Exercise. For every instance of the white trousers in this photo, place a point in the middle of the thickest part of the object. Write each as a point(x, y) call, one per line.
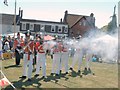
point(29, 64)
point(56, 63)
point(77, 57)
point(88, 60)
point(41, 61)
point(64, 61)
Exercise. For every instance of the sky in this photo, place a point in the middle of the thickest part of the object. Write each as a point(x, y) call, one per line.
point(53, 10)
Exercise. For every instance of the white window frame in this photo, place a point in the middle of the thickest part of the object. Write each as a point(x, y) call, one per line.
point(84, 23)
point(42, 28)
point(31, 27)
point(23, 26)
point(66, 30)
point(52, 27)
point(80, 23)
point(59, 27)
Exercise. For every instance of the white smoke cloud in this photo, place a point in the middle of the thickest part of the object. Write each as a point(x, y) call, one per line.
point(99, 43)
point(95, 42)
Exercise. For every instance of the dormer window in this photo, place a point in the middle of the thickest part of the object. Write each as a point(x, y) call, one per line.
point(84, 23)
point(80, 23)
point(52, 29)
point(60, 29)
point(66, 30)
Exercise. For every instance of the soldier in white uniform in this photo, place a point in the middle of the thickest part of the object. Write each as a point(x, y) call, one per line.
point(64, 58)
point(28, 57)
point(56, 59)
point(41, 60)
point(77, 57)
point(88, 60)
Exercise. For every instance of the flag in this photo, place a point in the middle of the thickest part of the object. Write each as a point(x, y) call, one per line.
point(4, 82)
point(5, 2)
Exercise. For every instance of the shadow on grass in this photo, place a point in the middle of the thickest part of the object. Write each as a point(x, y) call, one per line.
point(22, 85)
point(74, 73)
point(12, 66)
point(52, 78)
point(87, 72)
point(55, 78)
point(63, 75)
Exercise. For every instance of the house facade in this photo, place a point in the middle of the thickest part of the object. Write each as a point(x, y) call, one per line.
point(79, 25)
point(44, 27)
point(7, 24)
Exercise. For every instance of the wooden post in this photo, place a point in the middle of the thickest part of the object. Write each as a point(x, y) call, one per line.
point(15, 20)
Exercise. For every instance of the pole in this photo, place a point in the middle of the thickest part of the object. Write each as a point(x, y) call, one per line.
point(15, 20)
point(7, 79)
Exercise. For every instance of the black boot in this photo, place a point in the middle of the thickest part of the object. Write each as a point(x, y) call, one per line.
point(66, 73)
point(89, 70)
point(36, 75)
point(29, 80)
point(60, 71)
point(23, 77)
point(52, 74)
point(79, 71)
point(85, 71)
point(71, 68)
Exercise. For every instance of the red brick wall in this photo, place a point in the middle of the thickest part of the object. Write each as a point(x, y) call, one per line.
point(78, 29)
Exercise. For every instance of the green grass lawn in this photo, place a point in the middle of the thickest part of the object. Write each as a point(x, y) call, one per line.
point(106, 76)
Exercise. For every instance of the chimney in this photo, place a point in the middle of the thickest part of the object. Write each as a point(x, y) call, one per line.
point(65, 17)
point(61, 20)
point(66, 12)
point(92, 21)
point(21, 14)
point(91, 15)
point(19, 11)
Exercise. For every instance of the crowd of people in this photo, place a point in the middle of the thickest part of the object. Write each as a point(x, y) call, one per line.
point(35, 52)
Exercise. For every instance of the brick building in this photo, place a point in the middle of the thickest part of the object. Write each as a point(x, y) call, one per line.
point(79, 24)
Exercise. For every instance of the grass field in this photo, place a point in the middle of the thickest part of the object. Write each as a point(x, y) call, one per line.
point(106, 76)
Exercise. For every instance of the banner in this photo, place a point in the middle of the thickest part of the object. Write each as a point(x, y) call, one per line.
point(4, 82)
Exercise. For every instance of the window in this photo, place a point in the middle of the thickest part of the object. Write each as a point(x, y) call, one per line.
point(66, 30)
point(52, 29)
point(23, 26)
point(31, 26)
point(59, 29)
point(80, 23)
point(84, 23)
point(42, 28)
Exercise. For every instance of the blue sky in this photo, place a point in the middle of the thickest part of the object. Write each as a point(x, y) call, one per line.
point(53, 10)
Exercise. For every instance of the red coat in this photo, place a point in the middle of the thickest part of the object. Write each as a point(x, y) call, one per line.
point(22, 42)
point(16, 43)
point(41, 49)
point(29, 47)
point(64, 49)
point(37, 45)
